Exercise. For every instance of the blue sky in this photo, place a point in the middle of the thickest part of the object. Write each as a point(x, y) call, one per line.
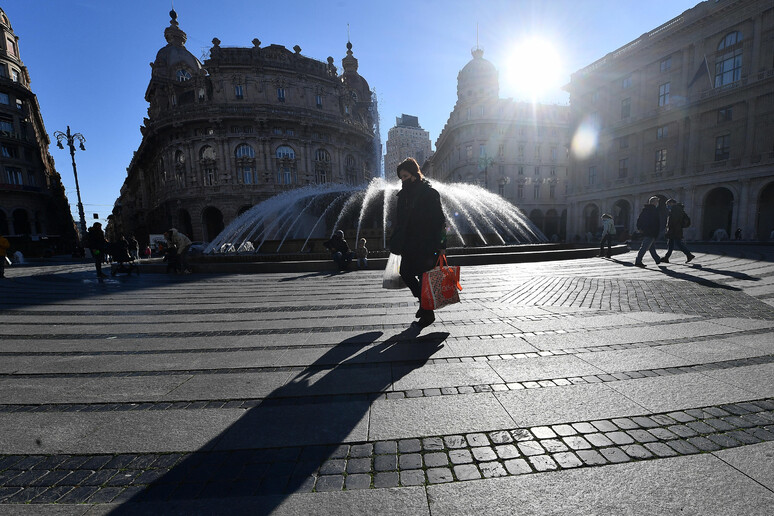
point(89, 59)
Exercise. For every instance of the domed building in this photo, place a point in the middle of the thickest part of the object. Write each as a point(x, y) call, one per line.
point(515, 149)
point(245, 125)
point(34, 213)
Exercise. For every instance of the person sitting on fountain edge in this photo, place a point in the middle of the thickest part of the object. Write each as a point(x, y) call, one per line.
point(420, 231)
point(339, 249)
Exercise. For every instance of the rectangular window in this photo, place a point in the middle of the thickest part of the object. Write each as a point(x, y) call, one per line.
point(728, 68)
point(9, 151)
point(537, 171)
point(14, 175)
point(500, 150)
point(521, 170)
point(247, 175)
point(623, 168)
point(725, 114)
point(209, 176)
point(281, 94)
point(623, 142)
point(661, 160)
point(666, 64)
point(10, 46)
point(536, 192)
point(552, 191)
point(553, 171)
point(14, 75)
point(235, 129)
point(592, 175)
point(663, 94)
point(537, 151)
point(248, 129)
point(500, 189)
point(318, 101)
point(277, 131)
point(520, 192)
point(6, 124)
point(4, 99)
point(554, 154)
point(469, 151)
point(626, 108)
point(31, 179)
point(662, 132)
point(238, 92)
point(482, 151)
point(521, 151)
point(722, 147)
point(626, 83)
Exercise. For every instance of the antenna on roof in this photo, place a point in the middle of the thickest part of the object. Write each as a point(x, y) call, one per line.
point(348, 32)
point(476, 34)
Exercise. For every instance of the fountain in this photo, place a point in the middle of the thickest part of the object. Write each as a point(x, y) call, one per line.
point(475, 217)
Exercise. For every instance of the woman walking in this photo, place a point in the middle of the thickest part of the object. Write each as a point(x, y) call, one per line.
point(608, 231)
point(420, 232)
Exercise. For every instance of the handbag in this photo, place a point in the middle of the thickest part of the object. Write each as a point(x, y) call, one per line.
point(391, 279)
point(441, 285)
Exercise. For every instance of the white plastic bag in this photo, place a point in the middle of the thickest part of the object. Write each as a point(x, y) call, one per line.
point(391, 278)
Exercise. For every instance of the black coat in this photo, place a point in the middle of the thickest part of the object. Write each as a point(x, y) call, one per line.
point(675, 222)
point(96, 238)
point(337, 244)
point(649, 222)
point(420, 227)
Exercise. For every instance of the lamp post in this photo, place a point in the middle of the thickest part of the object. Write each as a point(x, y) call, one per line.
point(70, 139)
point(483, 165)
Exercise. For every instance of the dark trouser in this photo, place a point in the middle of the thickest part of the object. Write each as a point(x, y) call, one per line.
point(98, 257)
point(411, 270)
point(2, 266)
point(342, 259)
point(672, 242)
point(605, 239)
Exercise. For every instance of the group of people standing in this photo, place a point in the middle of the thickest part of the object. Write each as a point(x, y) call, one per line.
point(649, 225)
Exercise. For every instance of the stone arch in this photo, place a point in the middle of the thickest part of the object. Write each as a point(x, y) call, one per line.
point(765, 219)
point(551, 224)
point(4, 229)
point(21, 222)
point(536, 216)
point(212, 222)
point(591, 218)
point(622, 217)
point(718, 210)
point(184, 223)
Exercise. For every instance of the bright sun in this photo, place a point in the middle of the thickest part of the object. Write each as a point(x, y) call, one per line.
point(533, 70)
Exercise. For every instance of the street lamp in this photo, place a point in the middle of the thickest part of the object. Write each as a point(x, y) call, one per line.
point(483, 165)
point(70, 139)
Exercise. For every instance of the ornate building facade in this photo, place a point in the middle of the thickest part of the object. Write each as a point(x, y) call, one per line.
point(245, 125)
point(33, 206)
point(685, 111)
point(406, 139)
point(515, 149)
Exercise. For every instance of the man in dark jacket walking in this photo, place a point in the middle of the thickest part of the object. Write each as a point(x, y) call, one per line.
point(97, 246)
point(676, 221)
point(649, 224)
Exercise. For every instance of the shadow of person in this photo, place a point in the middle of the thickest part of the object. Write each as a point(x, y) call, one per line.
point(694, 279)
point(722, 272)
point(280, 446)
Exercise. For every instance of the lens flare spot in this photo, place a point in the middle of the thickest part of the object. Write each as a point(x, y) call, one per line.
point(585, 140)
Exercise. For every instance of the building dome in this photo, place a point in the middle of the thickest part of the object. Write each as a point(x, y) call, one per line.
point(175, 56)
point(478, 79)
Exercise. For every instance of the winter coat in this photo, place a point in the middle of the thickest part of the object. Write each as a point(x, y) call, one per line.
point(4, 245)
point(649, 222)
point(179, 240)
point(420, 230)
point(337, 244)
point(608, 227)
point(675, 222)
point(96, 238)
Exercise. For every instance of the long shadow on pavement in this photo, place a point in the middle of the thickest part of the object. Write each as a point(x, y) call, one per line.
point(694, 279)
point(279, 446)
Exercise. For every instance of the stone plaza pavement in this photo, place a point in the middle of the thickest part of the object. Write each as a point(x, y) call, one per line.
point(567, 387)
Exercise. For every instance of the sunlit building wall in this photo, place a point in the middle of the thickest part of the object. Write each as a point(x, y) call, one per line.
point(33, 206)
point(245, 125)
point(406, 139)
point(515, 149)
point(685, 111)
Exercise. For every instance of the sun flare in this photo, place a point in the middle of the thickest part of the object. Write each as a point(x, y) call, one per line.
point(534, 69)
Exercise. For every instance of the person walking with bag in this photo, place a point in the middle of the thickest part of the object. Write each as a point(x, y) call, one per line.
point(676, 221)
point(649, 223)
point(420, 232)
point(608, 231)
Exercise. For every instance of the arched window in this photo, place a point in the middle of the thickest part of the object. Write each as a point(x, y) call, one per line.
point(728, 66)
point(321, 166)
point(207, 152)
point(183, 75)
point(285, 152)
point(244, 151)
point(731, 39)
point(179, 158)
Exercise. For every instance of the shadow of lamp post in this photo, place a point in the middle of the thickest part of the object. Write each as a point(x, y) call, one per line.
point(70, 139)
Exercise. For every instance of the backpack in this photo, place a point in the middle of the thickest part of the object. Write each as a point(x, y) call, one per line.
point(686, 220)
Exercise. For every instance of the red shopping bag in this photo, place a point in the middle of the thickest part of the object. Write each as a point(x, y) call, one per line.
point(441, 285)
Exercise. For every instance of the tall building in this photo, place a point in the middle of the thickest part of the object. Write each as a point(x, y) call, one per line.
point(33, 207)
point(243, 126)
point(406, 139)
point(685, 111)
point(516, 149)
